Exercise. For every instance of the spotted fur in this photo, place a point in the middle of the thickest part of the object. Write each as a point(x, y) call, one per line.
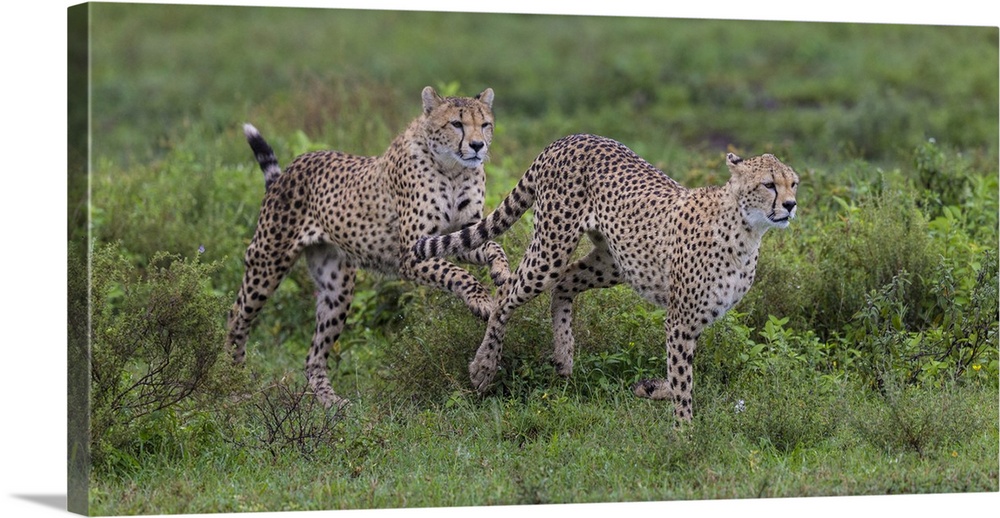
point(345, 212)
point(691, 251)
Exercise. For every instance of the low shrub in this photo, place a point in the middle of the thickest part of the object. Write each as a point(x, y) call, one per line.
point(785, 408)
point(281, 416)
point(922, 420)
point(619, 340)
point(425, 359)
point(155, 351)
point(819, 273)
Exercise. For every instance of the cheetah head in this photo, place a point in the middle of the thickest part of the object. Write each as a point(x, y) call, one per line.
point(458, 129)
point(765, 188)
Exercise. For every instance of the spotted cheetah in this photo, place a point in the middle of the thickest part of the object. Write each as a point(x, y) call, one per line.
point(691, 251)
point(345, 212)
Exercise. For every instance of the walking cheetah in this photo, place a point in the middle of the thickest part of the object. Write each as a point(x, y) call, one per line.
point(692, 251)
point(346, 212)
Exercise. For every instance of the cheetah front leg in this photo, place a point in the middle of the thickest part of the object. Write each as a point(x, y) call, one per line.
point(334, 278)
point(679, 381)
point(439, 273)
point(490, 254)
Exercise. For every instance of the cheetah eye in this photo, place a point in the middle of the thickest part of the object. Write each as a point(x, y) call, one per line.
point(795, 184)
point(769, 186)
point(486, 125)
point(456, 124)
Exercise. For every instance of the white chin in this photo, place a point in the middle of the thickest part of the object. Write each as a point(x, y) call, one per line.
point(470, 162)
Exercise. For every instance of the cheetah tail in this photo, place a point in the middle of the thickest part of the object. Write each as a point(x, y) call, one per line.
point(499, 221)
point(264, 154)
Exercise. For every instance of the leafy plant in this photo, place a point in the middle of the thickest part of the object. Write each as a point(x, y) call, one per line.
point(908, 418)
point(863, 360)
point(156, 345)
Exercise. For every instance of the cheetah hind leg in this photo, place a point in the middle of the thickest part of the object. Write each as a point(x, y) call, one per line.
point(334, 279)
point(260, 280)
point(483, 367)
point(596, 270)
point(527, 283)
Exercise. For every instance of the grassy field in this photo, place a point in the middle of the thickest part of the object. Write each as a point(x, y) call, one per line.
point(863, 361)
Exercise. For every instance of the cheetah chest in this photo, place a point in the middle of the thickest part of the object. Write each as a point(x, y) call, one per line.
point(730, 275)
point(454, 201)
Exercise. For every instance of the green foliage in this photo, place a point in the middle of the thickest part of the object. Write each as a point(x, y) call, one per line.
point(870, 90)
point(820, 273)
point(954, 187)
point(428, 359)
point(863, 360)
point(879, 344)
point(156, 351)
point(178, 205)
point(910, 419)
point(796, 413)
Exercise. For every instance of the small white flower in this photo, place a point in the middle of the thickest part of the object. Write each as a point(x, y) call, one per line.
point(740, 406)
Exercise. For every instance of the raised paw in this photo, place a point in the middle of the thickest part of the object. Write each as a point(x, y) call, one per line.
point(652, 388)
point(482, 306)
point(499, 266)
point(500, 275)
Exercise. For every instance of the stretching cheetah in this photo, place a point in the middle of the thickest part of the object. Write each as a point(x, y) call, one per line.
point(346, 212)
point(692, 251)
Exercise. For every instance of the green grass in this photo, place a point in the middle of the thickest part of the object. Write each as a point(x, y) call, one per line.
point(865, 355)
point(552, 449)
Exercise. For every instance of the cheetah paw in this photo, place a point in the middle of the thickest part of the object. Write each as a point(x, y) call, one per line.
point(652, 389)
point(482, 308)
point(564, 367)
point(481, 373)
point(333, 402)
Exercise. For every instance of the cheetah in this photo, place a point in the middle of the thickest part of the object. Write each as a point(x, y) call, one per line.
point(691, 251)
point(345, 212)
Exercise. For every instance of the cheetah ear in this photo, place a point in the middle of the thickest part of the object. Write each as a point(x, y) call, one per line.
point(486, 97)
point(733, 160)
point(431, 99)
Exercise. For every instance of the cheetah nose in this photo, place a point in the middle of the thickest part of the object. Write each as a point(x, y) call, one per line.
point(476, 145)
point(788, 205)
